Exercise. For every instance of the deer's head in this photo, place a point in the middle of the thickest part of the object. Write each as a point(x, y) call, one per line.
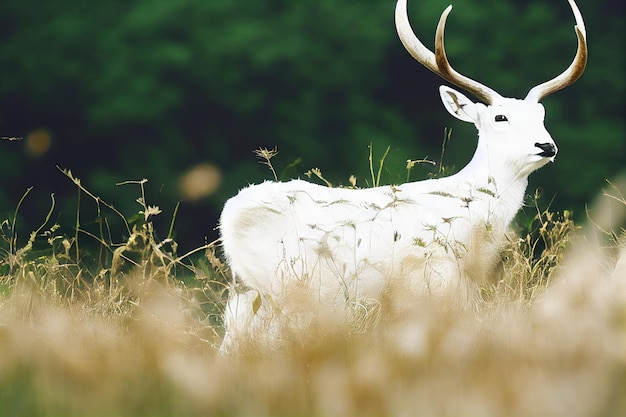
point(511, 131)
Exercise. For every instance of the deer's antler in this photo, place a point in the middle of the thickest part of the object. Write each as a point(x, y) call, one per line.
point(438, 62)
point(576, 68)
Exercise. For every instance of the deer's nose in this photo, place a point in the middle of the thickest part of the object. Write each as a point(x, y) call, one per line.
point(547, 149)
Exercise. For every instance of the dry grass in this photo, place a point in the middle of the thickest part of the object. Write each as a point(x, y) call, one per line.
point(548, 340)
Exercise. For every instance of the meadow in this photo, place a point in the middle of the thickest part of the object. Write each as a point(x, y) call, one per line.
point(137, 331)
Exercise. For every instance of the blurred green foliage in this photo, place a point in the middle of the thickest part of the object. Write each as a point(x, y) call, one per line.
point(123, 90)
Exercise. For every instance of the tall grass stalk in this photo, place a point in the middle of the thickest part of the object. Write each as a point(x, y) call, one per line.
point(139, 335)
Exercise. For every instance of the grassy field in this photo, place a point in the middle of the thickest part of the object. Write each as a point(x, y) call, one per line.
point(137, 334)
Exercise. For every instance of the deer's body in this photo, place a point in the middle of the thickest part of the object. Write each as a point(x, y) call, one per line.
point(344, 244)
point(294, 245)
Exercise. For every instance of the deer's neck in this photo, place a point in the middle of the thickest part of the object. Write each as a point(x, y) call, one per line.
point(504, 185)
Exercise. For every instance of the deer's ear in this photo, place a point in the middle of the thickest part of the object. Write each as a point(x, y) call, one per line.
point(458, 105)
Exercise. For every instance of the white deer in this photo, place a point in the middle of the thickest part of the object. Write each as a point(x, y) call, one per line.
point(295, 247)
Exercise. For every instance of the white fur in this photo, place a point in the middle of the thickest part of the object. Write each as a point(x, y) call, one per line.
point(300, 248)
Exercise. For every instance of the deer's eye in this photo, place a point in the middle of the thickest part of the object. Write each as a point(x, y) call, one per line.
point(501, 118)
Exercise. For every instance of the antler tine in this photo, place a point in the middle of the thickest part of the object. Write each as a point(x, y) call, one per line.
point(411, 42)
point(576, 68)
point(481, 91)
point(437, 63)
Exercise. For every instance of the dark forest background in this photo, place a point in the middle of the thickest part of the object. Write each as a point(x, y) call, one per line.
point(182, 93)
